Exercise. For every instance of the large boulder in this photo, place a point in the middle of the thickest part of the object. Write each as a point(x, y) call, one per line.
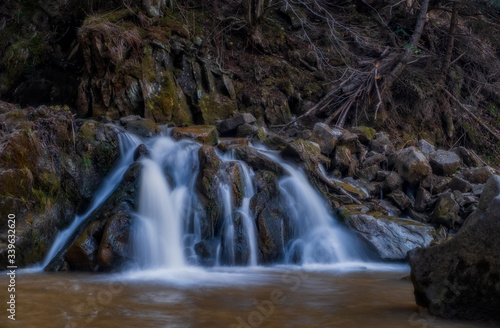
point(389, 236)
point(460, 278)
point(325, 137)
point(444, 162)
point(412, 165)
point(479, 175)
point(205, 134)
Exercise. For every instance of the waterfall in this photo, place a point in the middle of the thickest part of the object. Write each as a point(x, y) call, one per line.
point(127, 143)
point(246, 214)
point(168, 225)
point(315, 236)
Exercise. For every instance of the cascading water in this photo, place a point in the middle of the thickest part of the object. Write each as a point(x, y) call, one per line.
point(127, 144)
point(165, 212)
point(246, 214)
point(314, 236)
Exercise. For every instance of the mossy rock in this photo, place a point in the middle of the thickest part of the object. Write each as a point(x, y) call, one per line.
point(215, 106)
point(205, 134)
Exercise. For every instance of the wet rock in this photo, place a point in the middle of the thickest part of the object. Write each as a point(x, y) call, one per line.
point(205, 134)
point(425, 147)
point(444, 162)
point(231, 124)
point(460, 278)
point(206, 250)
point(459, 184)
point(391, 237)
point(479, 175)
point(446, 212)
point(82, 254)
point(207, 185)
point(381, 144)
point(325, 137)
point(114, 248)
point(435, 184)
point(400, 199)
point(141, 152)
point(142, 127)
point(269, 212)
point(256, 160)
point(412, 165)
point(468, 158)
point(365, 134)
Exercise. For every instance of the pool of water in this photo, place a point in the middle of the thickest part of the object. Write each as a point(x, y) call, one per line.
point(350, 295)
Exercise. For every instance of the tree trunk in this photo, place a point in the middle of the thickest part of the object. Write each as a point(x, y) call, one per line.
point(451, 40)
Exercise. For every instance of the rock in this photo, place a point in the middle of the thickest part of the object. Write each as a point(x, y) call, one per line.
point(305, 151)
point(468, 158)
point(142, 127)
point(478, 189)
point(479, 175)
point(325, 137)
point(207, 186)
point(381, 144)
point(422, 200)
point(256, 160)
point(141, 152)
point(114, 248)
point(435, 184)
point(304, 134)
point(231, 124)
point(459, 184)
point(81, 256)
point(444, 162)
point(391, 237)
point(460, 278)
point(269, 212)
point(124, 120)
point(425, 147)
point(373, 158)
point(365, 134)
point(412, 165)
point(342, 159)
point(387, 208)
point(368, 173)
point(399, 198)
point(392, 182)
point(206, 250)
point(446, 212)
point(205, 134)
point(246, 130)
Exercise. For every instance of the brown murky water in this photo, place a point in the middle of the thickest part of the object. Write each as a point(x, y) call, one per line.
point(242, 297)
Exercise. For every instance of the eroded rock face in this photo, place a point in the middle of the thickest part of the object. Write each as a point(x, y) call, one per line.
point(391, 237)
point(461, 277)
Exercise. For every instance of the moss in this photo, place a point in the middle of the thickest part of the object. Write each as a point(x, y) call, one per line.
point(215, 106)
point(38, 250)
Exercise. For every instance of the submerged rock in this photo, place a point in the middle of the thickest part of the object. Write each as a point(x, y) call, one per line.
point(391, 237)
point(460, 278)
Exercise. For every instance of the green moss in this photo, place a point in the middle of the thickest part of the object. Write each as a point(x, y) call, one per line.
point(215, 106)
point(87, 162)
point(38, 249)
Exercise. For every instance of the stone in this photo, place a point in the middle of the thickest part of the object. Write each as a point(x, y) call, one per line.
point(425, 147)
point(389, 236)
point(342, 159)
point(435, 184)
point(478, 175)
point(205, 134)
point(386, 208)
point(412, 165)
point(256, 160)
point(460, 278)
point(246, 130)
point(325, 137)
point(381, 144)
point(141, 151)
point(231, 124)
point(400, 199)
point(392, 182)
point(459, 184)
point(468, 157)
point(446, 212)
point(142, 127)
point(478, 189)
point(422, 200)
point(305, 151)
point(365, 134)
point(444, 162)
